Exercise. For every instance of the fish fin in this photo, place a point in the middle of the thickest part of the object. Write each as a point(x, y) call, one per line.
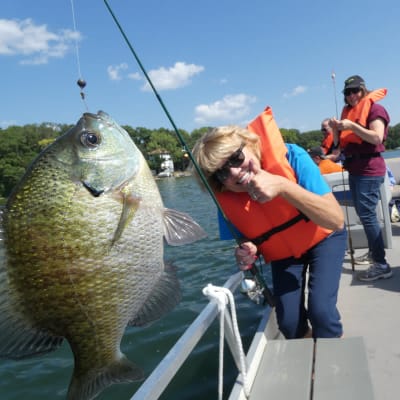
point(164, 296)
point(21, 343)
point(180, 228)
point(89, 385)
point(129, 206)
point(18, 337)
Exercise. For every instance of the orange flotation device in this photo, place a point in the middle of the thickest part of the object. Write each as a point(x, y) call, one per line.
point(277, 228)
point(359, 114)
point(327, 143)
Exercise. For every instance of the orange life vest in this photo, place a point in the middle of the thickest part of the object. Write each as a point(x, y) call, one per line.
point(359, 114)
point(327, 142)
point(279, 229)
point(327, 166)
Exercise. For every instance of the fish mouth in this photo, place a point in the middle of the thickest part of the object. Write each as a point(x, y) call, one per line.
point(100, 118)
point(91, 115)
point(100, 115)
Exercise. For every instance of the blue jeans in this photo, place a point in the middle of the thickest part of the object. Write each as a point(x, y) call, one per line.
point(324, 262)
point(365, 192)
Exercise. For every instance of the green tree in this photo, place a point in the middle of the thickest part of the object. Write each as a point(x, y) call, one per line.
point(196, 135)
point(141, 136)
point(19, 145)
point(290, 135)
point(393, 138)
point(310, 139)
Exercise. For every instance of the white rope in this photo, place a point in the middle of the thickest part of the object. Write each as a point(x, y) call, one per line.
point(223, 296)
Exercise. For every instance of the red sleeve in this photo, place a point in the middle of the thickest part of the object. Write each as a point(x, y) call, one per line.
point(378, 111)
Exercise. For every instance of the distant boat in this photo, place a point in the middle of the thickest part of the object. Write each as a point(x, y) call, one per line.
point(165, 174)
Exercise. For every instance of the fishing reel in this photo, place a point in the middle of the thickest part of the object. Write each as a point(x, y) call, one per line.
point(253, 290)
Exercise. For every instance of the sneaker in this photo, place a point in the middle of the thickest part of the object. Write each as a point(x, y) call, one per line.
point(376, 271)
point(365, 259)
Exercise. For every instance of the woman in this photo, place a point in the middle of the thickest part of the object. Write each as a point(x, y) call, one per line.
point(275, 196)
point(360, 133)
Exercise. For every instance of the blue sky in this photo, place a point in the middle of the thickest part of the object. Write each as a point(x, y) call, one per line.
point(213, 62)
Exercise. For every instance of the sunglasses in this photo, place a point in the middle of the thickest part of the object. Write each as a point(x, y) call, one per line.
point(235, 160)
point(348, 92)
point(324, 130)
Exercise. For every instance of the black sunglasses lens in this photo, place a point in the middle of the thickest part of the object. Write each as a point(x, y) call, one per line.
point(222, 174)
point(235, 160)
point(348, 92)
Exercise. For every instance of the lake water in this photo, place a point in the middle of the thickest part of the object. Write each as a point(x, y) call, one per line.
point(391, 153)
point(207, 261)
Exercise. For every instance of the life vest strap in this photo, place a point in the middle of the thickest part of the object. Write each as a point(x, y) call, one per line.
point(266, 235)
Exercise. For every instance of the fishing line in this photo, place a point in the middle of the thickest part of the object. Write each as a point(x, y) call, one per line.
point(351, 249)
point(267, 294)
point(80, 82)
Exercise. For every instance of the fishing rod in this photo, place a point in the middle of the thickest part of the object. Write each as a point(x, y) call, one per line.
point(268, 296)
point(343, 183)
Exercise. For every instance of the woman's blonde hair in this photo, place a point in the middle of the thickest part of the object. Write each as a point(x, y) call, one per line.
point(217, 145)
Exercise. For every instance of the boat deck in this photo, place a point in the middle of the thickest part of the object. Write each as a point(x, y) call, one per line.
point(369, 309)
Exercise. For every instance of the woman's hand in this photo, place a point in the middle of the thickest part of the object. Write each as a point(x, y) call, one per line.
point(374, 134)
point(245, 255)
point(263, 186)
point(344, 125)
point(323, 210)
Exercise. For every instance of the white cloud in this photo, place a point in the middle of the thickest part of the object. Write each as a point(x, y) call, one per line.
point(135, 76)
point(24, 38)
point(114, 71)
point(174, 77)
point(230, 108)
point(296, 91)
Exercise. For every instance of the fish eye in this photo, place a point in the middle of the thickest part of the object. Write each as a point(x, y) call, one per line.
point(90, 139)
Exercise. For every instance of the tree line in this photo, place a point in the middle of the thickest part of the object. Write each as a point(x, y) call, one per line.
point(19, 145)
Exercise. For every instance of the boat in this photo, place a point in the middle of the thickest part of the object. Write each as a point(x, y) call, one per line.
point(370, 321)
point(165, 174)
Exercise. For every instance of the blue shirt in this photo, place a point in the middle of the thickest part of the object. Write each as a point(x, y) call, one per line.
point(308, 176)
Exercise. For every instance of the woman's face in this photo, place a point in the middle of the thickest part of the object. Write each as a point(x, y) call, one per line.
point(237, 170)
point(353, 96)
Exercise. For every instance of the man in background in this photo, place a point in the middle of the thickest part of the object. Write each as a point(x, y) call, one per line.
point(325, 165)
point(330, 152)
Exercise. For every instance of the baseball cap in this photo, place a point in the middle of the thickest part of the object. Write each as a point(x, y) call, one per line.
point(354, 81)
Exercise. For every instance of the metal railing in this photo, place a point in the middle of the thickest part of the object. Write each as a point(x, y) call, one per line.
point(155, 384)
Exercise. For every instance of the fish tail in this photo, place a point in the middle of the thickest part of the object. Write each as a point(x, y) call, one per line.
point(88, 386)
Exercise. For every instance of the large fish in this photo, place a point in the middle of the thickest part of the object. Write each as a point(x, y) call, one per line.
point(83, 236)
